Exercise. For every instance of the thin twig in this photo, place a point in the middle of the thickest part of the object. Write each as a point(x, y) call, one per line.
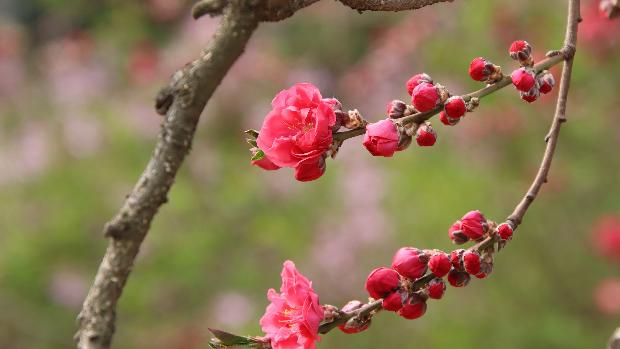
point(566, 55)
point(419, 118)
point(568, 52)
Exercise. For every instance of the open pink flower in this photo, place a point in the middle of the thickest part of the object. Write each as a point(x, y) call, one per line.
point(292, 319)
point(298, 130)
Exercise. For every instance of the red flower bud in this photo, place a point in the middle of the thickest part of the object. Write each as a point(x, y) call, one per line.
point(523, 79)
point(436, 288)
point(546, 82)
point(410, 262)
point(530, 96)
point(393, 302)
point(414, 308)
point(455, 107)
point(456, 258)
point(482, 70)
point(485, 270)
point(520, 50)
point(471, 262)
point(439, 264)
point(425, 97)
point(474, 225)
point(381, 281)
point(355, 325)
point(396, 109)
point(458, 278)
point(456, 234)
point(504, 231)
point(425, 135)
point(417, 79)
point(446, 120)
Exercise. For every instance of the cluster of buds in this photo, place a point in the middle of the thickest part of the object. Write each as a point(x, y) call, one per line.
point(417, 275)
point(529, 84)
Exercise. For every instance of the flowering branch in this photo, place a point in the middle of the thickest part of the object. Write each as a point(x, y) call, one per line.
point(419, 118)
point(181, 101)
point(415, 275)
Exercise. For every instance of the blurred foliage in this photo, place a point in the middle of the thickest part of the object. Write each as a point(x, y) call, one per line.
point(77, 128)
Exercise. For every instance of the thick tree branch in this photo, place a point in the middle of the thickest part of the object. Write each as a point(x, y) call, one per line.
point(389, 5)
point(190, 90)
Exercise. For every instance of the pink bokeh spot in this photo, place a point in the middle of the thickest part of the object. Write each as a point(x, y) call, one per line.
point(606, 237)
point(292, 319)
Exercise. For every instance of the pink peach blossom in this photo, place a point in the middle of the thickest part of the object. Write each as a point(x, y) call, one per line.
point(298, 130)
point(381, 138)
point(292, 319)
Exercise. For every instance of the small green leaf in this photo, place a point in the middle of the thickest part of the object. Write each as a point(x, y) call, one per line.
point(252, 142)
point(229, 338)
point(252, 133)
point(259, 155)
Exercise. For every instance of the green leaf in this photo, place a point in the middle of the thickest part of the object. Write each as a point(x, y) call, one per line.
point(252, 133)
point(229, 338)
point(258, 155)
point(252, 142)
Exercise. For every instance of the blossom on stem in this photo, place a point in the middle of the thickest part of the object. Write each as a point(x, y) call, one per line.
point(292, 319)
point(297, 132)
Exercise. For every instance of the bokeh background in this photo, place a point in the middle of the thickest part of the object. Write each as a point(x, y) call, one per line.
point(77, 126)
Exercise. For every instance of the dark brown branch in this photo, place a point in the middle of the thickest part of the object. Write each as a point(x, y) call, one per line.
point(568, 52)
point(191, 89)
point(389, 5)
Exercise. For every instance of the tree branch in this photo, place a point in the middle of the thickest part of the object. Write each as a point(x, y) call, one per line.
point(568, 52)
point(188, 94)
point(389, 5)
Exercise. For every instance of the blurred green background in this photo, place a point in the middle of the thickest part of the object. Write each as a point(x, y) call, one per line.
point(77, 127)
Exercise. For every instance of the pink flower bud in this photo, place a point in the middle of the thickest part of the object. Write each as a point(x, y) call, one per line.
point(520, 50)
point(474, 225)
point(414, 308)
point(455, 107)
point(381, 281)
point(504, 231)
point(456, 258)
point(523, 79)
point(436, 288)
point(425, 135)
point(446, 120)
point(396, 109)
point(381, 138)
point(439, 264)
point(458, 278)
point(471, 262)
point(410, 262)
point(417, 79)
point(482, 70)
point(530, 96)
point(393, 302)
point(456, 234)
point(546, 82)
point(425, 97)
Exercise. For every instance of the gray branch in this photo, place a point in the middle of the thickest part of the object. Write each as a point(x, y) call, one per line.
point(193, 87)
